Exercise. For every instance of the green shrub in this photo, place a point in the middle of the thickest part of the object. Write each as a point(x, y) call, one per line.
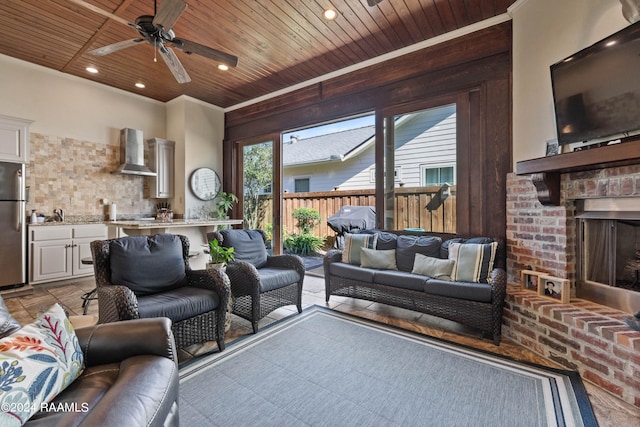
point(268, 229)
point(308, 219)
point(303, 244)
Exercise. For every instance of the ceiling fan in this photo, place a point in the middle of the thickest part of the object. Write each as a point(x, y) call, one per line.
point(157, 31)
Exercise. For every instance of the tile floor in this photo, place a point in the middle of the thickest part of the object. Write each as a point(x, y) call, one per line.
point(609, 410)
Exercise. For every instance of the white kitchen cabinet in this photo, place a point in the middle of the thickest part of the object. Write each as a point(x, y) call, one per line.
point(162, 162)
point(14, 139)
point(57, 251)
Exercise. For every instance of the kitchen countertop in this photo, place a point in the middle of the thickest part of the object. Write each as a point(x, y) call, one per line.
point(58, 223)
point(175, 223)
point(143, 224)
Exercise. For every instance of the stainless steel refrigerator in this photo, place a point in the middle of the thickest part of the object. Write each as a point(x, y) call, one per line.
point(13, 242)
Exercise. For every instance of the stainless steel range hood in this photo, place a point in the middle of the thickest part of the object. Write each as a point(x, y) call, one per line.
point(132, 154)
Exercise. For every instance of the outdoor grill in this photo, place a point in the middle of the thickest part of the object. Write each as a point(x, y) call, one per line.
point(349, 219)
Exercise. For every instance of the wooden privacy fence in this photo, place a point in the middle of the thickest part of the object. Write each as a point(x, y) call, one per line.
point(409, 208)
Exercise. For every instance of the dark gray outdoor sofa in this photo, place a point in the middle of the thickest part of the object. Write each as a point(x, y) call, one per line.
point(474, 304)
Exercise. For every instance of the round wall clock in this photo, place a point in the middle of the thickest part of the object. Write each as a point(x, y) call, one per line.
point(205, 183)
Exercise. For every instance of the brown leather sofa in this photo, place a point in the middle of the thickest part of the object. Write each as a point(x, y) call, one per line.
point(130, 378)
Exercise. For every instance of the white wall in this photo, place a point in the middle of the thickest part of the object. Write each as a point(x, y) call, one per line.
point(67, 106)
point(198, 130)
point(544, 32)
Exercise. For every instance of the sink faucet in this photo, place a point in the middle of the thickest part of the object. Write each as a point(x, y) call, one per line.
point(59, 213)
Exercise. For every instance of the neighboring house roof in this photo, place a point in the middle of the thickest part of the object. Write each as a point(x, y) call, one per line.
point(333, 147)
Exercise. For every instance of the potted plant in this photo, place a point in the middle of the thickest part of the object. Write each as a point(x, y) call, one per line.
point(220, 255)
point(225, 203)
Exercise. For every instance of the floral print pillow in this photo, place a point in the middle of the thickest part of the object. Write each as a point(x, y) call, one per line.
point(36, 363)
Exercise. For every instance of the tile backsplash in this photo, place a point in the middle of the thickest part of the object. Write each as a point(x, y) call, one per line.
point(75, 175)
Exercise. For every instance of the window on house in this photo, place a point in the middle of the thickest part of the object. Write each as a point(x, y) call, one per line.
point(301, 185)
point(397, 173)
point(437, 175)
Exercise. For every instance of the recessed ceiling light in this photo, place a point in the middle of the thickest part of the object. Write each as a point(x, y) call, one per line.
point(92, 70)
point(223, 67)
point(330, 14)
point(140, 85)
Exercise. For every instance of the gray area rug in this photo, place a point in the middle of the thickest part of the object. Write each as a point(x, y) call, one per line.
point(325, 368)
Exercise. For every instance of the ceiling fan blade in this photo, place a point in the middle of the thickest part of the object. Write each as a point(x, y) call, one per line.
point(168, 13)
point(217, 55)
point(103, 12)
point(106, 50)
point(373, 2)
point(174, 64)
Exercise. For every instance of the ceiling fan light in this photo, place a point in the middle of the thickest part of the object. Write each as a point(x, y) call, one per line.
point(92, 70)
point(330, 14)
point(140, 85)
point(223, 67)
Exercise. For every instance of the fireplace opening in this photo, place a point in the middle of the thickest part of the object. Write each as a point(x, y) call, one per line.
point(608, 252)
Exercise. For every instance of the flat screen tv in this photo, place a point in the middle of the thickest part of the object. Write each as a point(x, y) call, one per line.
point(596, 91)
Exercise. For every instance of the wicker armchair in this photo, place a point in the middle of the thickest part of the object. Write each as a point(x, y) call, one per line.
point(260, 283)
point(150, 276)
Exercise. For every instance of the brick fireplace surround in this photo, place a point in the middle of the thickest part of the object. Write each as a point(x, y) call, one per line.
point(581, 335)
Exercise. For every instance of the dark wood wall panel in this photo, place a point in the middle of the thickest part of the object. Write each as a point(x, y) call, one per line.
point(499, 155)
point(476, 69)
point(463, 50)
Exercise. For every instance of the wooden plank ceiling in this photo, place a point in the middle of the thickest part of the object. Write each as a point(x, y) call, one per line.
point(279, 43)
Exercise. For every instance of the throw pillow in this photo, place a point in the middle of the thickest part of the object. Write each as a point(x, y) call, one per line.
point(352, 245)
point(473, 261)
point(384, 259)
point(38, 362)
point(433, 267)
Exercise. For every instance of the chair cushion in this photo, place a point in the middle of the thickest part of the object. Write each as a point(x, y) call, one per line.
point(178, 304)
point(248, 246)
point(147, 264)
point(400, 279)
point(353, 272)
point(461, 290)
point(408, 246)
point(386, 241)
point(274, 278)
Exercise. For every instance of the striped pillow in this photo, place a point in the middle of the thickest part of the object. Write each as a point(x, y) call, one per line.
point(352, 245)
point(474, 261)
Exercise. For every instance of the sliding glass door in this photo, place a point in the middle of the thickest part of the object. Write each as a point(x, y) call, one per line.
point(258, 204)
point(401, 163)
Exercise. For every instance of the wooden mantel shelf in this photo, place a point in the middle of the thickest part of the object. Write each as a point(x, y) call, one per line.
point(545, 171)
